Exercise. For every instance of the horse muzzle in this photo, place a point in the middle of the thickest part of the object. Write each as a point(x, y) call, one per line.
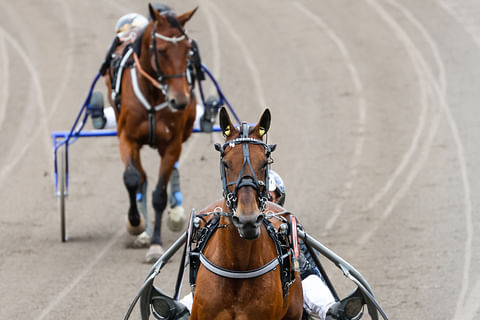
point(178, 101)
point(248, 226)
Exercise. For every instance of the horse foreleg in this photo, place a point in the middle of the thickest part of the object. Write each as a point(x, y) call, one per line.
point(176, 213)
point(159, 200)
point(133, 178)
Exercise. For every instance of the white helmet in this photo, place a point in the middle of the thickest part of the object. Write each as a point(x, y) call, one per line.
point(275, 184)
point(130, 22)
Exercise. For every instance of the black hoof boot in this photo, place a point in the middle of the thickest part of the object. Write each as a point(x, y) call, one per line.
point(96, 110)
point(212, 106)
point(166, 308)
point(348, 308)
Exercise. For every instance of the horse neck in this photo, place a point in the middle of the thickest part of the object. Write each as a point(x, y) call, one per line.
point(240, 254)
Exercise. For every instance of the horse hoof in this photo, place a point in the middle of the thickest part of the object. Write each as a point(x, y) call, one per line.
point(136, 230)
point(176, 219)
point(142, 240)
point(154, 253)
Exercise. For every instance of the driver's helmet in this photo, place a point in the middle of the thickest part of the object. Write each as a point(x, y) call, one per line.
point(129, 23)
point(275, 184)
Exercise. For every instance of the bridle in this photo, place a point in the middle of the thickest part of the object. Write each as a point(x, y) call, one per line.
point(260, 186)
point(193, 56)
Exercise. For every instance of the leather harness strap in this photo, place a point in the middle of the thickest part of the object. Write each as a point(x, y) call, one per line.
point(283, 249)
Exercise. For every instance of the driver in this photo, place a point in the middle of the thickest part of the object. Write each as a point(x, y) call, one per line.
point(127, 29)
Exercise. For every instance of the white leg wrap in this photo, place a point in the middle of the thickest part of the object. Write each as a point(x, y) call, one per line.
point(316, 296)
point(200, 111)
point(109, 114)
point(188, 301)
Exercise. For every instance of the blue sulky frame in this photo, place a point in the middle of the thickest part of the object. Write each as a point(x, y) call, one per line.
point(67, 138)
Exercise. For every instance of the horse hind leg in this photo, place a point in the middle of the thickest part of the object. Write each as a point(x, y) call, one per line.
point(176, 213)
point(135, 221)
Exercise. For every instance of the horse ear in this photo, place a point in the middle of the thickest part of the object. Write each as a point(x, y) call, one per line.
point(264, 123)
point(182, 19)
point(152, 12)
point(225, 123)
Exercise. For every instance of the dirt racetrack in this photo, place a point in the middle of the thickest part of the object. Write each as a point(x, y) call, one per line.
point(375, 111)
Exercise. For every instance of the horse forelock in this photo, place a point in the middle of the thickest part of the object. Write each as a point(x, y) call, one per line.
point(172, 20)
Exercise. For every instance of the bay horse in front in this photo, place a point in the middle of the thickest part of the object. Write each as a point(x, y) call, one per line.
point(243, 261)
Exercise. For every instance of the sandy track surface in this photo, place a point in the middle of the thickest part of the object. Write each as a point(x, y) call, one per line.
point(375, 113)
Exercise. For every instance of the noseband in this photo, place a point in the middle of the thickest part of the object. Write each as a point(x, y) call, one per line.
point(261, 187)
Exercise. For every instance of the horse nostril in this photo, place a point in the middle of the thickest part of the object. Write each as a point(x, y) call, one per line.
point(260, 218)
point(179, 105)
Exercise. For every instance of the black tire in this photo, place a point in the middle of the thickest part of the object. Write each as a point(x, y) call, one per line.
point(61, 188)
point(96, 110)
point(97, 99)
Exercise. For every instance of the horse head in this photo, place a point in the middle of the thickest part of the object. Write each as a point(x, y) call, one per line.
point(245, 160)
point(169, 49)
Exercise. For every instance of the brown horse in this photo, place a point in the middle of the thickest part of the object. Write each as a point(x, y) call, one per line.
point(157, 108)
point(239, 275)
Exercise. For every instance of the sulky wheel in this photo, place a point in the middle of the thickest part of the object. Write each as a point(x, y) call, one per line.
point(96, 109)
point(61, 187)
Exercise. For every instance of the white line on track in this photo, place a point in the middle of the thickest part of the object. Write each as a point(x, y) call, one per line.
point(472, 303)
point(362, 112)
point(68, 67)
point(460, 306)
point(406, 159)
point(217, 54)
point(423, 153)
point(72, 284)
point(5, 74)
point(42, 121)
point(257, 83)
point(453, 9)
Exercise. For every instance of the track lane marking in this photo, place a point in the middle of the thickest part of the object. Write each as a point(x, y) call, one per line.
point(42, 120)
point(460, 153)
point(362, 112)
point(257, 83)
point(4, 84)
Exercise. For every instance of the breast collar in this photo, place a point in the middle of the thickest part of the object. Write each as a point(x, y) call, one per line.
point(281, 240)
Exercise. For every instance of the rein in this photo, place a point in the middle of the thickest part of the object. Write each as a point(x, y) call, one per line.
point(154, 82)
